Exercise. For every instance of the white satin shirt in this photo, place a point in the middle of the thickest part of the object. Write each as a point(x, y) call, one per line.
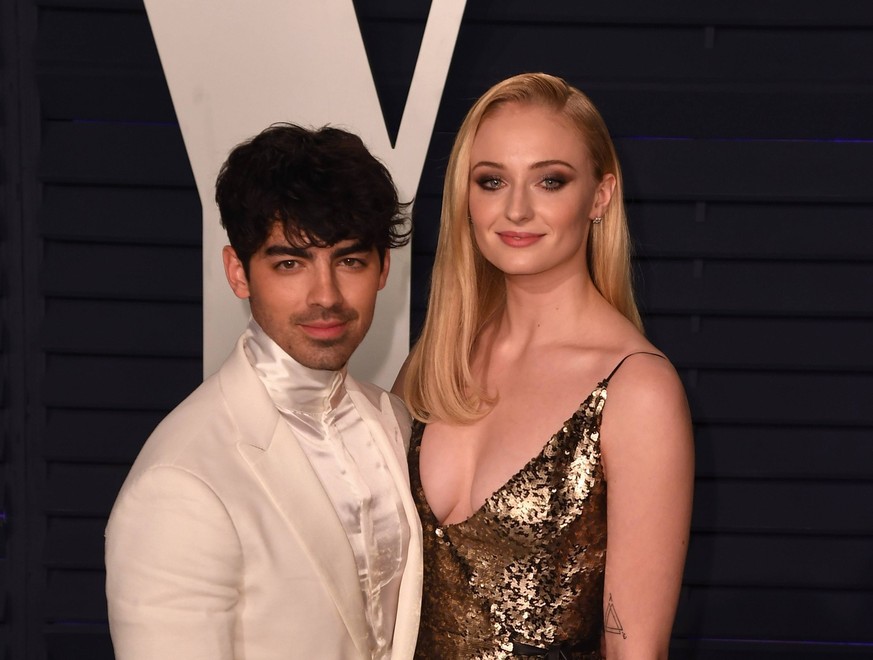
point(351, 468)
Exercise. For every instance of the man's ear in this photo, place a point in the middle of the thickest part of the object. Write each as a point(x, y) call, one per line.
point(235, 272)
point(386, 266)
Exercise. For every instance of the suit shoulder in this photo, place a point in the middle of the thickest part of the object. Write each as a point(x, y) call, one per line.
point(199, 425)
point(377, 396)
point(387, 403)
point(372, 391)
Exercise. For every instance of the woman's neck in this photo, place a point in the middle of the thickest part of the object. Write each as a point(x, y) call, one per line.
point(541, 310)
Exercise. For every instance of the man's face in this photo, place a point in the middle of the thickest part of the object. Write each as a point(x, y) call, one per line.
point(316, 303)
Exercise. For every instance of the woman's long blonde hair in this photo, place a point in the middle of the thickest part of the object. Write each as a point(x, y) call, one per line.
point(466, 290)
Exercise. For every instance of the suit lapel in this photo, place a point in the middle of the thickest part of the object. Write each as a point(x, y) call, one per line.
point(384, 428)
point(269, 446)
point(288, 477)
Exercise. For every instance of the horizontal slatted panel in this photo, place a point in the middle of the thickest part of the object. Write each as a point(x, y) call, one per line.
point(75, 597)
point(847, 13)
point(117, 5)
point(160, 329)
point(785, 451)
point(82, 490)
point(751, 231)
point(100, 436)
point(627, 12)
point(104, 94)
point(138, 272)
point(15, 258)
point(75, 543)
point(660, 53)
point(81, 641)
point(773, 170)
point(664, 53)
point(120, 39)
point(159, 216)
point(781, 614)
point(747, 342)
point(745, 560)
point(122, 327)
point(765, 650)
point(119, 382)
point(784, 506)
point(759, 110)
point(762, 397)
point(114, 154)
point(756, 287)
point(114, 77)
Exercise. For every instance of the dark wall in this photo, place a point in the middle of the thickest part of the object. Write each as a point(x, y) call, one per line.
point(746, 135)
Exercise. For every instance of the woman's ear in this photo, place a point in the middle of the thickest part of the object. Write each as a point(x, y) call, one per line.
point(603, 195)
point(235, 272)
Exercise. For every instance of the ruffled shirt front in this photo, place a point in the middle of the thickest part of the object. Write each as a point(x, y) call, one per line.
point(352, 469)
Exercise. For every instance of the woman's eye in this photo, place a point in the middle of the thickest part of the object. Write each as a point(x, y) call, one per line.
point(490, 183)
point(552, 183)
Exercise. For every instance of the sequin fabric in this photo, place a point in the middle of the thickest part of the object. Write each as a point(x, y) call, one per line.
point(528, 566)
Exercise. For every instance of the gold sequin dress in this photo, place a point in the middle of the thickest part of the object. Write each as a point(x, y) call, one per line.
point(523, 576)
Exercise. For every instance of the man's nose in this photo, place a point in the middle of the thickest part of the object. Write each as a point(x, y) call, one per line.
point(324, 289)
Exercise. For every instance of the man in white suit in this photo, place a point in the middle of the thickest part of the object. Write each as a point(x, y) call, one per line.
point(269, 515)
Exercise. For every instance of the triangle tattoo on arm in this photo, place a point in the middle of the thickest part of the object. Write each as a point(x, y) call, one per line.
point(611, 623)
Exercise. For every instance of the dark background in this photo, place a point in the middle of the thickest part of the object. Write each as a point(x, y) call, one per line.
point(745, 130)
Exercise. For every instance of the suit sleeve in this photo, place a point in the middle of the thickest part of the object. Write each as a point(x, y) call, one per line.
point(173, 566)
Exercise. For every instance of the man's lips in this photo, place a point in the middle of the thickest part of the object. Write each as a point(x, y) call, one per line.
point(518, 238)
point(324, 329)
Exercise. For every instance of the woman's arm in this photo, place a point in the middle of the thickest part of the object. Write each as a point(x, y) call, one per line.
point(648, 456)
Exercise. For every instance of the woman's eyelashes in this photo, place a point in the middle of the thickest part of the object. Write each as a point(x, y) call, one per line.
point(553, 182)
point(489, 182)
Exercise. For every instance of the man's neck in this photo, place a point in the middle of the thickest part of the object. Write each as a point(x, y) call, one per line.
point(292, 386)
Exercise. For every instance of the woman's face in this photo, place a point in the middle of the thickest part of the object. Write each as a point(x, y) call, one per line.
point(533, 191)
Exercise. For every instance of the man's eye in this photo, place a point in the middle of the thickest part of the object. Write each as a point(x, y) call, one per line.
point(287, 264)
point(353, 262)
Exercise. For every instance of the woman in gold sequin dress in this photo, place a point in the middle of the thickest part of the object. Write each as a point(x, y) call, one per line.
point(519, 465)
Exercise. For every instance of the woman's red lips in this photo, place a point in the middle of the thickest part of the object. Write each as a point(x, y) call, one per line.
point(518, 238)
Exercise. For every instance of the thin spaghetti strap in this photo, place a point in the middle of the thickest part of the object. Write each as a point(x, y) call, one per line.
point(612, 373)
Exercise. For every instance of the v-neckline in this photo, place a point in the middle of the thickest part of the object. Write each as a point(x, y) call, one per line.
point(601, 386)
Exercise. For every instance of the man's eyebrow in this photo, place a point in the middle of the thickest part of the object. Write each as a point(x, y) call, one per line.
point(305, 253)
point(357, 246)
point(287, 251)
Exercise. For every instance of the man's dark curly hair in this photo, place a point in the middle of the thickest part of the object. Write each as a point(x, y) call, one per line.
point(323, 185)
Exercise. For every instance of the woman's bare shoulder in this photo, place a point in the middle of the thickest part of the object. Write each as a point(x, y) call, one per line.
point(397, 388)
point(645, 380)
point(647, 415)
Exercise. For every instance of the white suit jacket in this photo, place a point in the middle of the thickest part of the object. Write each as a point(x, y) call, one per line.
point(223, 544)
